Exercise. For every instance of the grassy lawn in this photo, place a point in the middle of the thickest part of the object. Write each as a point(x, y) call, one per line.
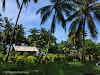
point(72, 68)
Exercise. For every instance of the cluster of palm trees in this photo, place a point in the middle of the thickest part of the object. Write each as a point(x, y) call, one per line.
point(7, 34)
point(79, 12)
point(11, 34)
point(41, 38)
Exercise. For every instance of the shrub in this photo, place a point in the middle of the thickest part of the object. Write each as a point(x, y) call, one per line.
point(26, 54)
point(70, 58)
point(1, 58)
point(20, 59)
point(51, 59)
point(30, 60)
point(60, 59)
point(18, 53)
point(11, 60)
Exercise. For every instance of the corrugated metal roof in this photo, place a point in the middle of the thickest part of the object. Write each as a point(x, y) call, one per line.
point(25, 48)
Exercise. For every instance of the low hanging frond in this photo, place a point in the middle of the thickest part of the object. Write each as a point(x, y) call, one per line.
point(53, 24)
point(35, 1)
point(3, 4)
point(73, 26)
point(91, 25)
point(61, 18)
point(18, 3)
point(71, 17)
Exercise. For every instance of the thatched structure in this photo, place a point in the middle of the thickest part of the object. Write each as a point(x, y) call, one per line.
point(26, 49)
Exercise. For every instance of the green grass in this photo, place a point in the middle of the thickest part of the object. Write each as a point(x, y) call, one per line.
point(71, 68)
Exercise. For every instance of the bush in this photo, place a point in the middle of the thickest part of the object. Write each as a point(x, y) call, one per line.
point(18, 53)
point(26, 54)
point(20, 60)
point(60, 59)
point(30, 60)
point(11, 60)
point(1, 58)
point(70, 58)
point(51, 59)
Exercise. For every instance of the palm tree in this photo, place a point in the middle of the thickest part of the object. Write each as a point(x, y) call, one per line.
point(20, 6)
point(82, 17)
point(7, 33)
point(19, 37)
point(56, 10)
point(33, 37)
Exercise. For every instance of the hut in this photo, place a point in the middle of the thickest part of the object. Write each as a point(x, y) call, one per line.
point(29, 49)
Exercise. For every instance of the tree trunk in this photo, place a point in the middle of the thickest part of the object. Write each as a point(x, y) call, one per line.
point(89, 57)
point(84, 50)
point(16, 24)
point(19, 12)
point(6, 59)
point(96, 57)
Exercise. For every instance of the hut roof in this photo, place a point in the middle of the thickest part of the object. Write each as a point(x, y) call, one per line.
point(25, 48)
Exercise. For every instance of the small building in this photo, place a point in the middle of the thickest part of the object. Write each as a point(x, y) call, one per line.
point(29, 49)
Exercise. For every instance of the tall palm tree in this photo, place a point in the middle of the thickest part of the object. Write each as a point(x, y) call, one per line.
point(56, 11)
point(20, 6)
point(7, 35)
point(85, 10)
point(20, 9)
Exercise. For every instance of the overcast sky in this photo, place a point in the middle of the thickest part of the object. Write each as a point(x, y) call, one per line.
point(30, 20)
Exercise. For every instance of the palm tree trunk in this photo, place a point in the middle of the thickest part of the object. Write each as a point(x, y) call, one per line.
point(17, 22)
point(6, 59)
point(18, 19)
point(89, 57)
point(19, 12)
point(83, 51)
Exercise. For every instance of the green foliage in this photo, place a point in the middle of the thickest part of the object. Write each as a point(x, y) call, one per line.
point(71, 68)
point(61, 45)
point(70, 58)
point(11, 60)
point(26, 54)
point(51, 58)
point(30, 60)
point(17, 53)
point(53, 49)
point(97, 48)
point(45, 50)
point(90, 46)
point(3, 49)
point(1, 58)
point(41, 38)
point(20, 59)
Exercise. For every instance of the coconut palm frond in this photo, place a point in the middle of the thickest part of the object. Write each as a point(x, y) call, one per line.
point(91, 25)
point(18, 3)
point(35, 1)
point(80, 27)
point(60, 18)
point(73, 26)
point(44, 9)
point(3, 4)
point(53, 25)
point(71, 17)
